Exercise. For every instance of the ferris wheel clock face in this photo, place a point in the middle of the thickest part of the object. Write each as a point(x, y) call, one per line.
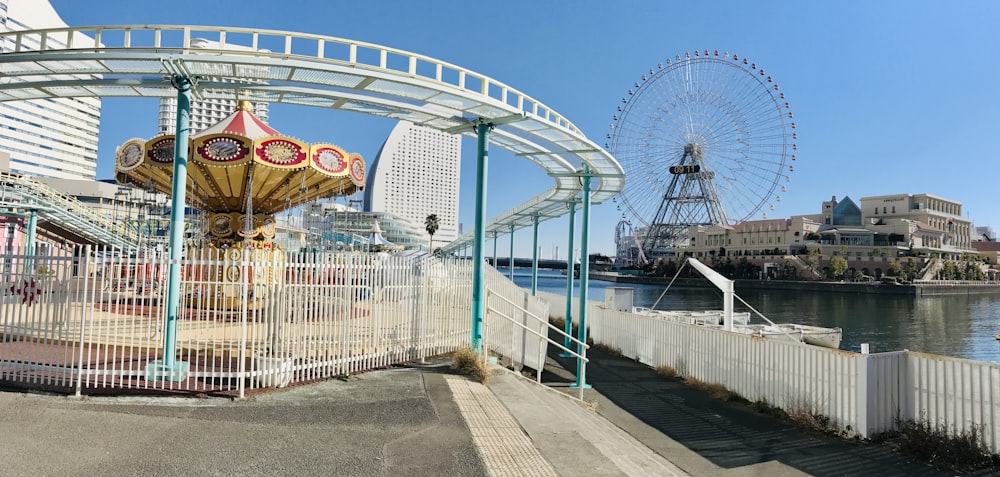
point(705, 138)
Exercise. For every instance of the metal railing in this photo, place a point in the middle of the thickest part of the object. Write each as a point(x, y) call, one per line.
point(543, 339)
point(24, 194)
point(94, 319)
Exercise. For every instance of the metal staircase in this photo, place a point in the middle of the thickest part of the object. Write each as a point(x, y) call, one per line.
point(61, 215)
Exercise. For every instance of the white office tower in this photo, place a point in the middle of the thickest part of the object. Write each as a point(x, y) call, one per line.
point(50, 137)
point(208, 111)
point(416, 174)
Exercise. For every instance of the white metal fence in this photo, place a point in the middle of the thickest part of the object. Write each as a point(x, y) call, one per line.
point(861, 393)
point(94, 320)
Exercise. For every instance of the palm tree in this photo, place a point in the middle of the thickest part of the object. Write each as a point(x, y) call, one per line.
point(431, 224)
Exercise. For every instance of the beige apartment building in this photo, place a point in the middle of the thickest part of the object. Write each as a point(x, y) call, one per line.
point(880, 229)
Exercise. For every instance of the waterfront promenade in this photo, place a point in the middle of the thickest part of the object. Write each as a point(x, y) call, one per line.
point(410, 421)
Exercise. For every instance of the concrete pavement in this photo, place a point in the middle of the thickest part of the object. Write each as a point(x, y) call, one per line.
point(427, 421)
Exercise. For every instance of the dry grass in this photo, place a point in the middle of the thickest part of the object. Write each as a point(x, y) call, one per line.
point(667, 372)
point(607, 349)
point(804, 414)
point(468, 362)
point(558, 323)
point(943, 447)
point(716, 391)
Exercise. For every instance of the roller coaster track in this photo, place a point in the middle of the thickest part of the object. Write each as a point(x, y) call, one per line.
point(62, 215)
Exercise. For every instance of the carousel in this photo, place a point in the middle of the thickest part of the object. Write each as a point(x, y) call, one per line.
point(240, 174)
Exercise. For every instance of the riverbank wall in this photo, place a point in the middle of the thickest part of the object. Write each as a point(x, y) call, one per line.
point(920, 288)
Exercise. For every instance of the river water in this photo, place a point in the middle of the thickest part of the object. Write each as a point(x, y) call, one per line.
point(963, 326)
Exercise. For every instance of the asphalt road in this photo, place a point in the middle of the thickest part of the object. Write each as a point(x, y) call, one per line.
point(389, 422)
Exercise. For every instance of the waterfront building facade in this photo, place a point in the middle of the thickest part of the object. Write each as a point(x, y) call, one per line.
point(51, 137)
point(939, 221)
point(880, 228)
point(208, 111)
point(414, 175)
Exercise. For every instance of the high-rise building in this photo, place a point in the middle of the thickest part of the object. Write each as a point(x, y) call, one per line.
point(416, 174)
point(52, 137)
point(209, 111)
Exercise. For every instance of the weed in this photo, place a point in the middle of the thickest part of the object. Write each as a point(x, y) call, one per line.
point(765, 407)
point(667, 372)
point(716, 391)
point(803, 414)
point(942, 447)
point(471, 363)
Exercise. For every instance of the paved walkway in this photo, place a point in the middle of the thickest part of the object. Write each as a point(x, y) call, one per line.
point(427, 421)
point(703, 436)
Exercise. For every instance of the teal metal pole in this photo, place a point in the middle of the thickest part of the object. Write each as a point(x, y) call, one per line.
point(32, 226)
point(478, 287)
point(581, 367)
point(534, 257)
point(569, 279)
point(176, 239)
point(495, 250)
point(29, 263)
point(511, 272)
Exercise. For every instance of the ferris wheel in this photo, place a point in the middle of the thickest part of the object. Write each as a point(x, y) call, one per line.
point(704, 139)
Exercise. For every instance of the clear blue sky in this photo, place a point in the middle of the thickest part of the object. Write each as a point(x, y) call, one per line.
point(889, 96)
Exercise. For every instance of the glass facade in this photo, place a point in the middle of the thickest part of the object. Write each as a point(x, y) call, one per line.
point(847, 213)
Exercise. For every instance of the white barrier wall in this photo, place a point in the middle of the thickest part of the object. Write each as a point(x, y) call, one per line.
point(957, 393)
point(863, 394)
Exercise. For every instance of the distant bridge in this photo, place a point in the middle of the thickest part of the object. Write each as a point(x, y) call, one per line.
point(526, 263)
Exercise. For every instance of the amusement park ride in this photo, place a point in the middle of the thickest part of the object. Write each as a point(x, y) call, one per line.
point(242, 172)
point(704, 139)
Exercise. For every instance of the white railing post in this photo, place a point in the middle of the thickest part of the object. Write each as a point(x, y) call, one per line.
point(862, 389)
point(83, 320)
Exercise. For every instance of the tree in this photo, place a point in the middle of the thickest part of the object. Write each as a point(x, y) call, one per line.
point(813, 258)
point(838, 265)
point(895, 268)
point(431, 225)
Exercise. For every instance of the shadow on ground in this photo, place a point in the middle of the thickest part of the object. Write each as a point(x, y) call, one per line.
point(729, 434)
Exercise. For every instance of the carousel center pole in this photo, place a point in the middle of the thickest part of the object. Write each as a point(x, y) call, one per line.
point(169, 369)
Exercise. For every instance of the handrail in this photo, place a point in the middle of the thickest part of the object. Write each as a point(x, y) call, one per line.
point(583, 346)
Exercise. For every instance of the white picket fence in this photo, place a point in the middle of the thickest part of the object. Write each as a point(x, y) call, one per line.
point(861, 393)
point(94, 320)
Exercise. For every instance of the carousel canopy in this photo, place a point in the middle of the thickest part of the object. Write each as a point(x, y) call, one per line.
point(239, 157)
